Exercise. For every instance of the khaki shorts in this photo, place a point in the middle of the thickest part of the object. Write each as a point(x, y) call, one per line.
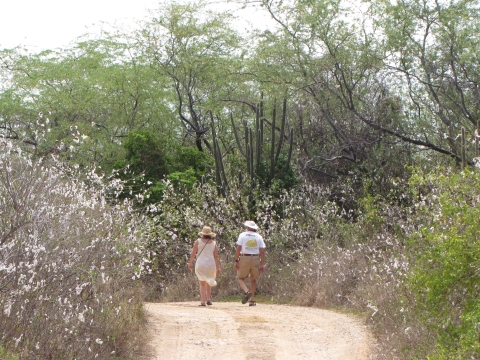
point(249, 265)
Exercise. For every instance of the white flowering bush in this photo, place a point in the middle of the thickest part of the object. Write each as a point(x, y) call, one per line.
point(69, 263)
point(289, 224)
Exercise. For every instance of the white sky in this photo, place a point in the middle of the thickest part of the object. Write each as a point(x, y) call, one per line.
point(50, 24)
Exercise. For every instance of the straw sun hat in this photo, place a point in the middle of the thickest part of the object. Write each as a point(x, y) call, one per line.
point(207, 231)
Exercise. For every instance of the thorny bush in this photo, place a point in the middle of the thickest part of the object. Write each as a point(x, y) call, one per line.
point(180, 215)
point(69, 263)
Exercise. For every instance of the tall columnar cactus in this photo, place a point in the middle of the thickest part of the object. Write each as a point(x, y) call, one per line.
point(464, 159)
point(272, 139)
point(282, 129)
point(220, 177)
point(251, 154)
point(290, 148)
point(237, 138)
point(253, 148)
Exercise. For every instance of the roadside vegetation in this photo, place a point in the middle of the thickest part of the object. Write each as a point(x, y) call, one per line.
point(353, 144)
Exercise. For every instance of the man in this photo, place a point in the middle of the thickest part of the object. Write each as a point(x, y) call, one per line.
point(249, 260)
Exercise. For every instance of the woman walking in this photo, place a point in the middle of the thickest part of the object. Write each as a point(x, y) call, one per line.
point(207, 266)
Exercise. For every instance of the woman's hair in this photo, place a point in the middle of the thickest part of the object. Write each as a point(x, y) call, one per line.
point(207, 236)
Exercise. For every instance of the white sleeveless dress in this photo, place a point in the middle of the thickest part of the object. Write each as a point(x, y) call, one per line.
point(205, 267)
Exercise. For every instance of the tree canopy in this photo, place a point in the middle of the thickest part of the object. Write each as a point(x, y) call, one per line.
point(371, 86)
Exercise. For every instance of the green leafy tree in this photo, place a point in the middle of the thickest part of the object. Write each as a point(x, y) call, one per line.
point(189, 167)
point(150, 159)
point(145, 165)
point(430, 49)
point(90, 96)
point(146, 155)
point(197, 51)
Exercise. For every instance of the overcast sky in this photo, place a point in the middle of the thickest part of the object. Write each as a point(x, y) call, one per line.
point(49, 24)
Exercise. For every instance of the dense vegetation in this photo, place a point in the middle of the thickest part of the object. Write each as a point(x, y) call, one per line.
point(349, 132)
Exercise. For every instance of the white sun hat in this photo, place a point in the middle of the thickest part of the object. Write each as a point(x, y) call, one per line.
point(251, 224)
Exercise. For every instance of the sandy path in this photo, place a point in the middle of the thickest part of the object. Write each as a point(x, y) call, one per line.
point(235, 331)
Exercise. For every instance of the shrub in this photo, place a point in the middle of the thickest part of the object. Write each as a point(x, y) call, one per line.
point(69, 264)
point(445, 254)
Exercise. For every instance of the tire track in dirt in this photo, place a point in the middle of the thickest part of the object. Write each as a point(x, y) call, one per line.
point(264, 332)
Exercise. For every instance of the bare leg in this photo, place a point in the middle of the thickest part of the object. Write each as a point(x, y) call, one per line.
point(208, 291)
point(203, 291)
point(243, 285)
point(253, 288)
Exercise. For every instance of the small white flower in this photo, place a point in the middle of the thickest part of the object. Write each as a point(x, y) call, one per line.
point(17, 341)
point(99, 341)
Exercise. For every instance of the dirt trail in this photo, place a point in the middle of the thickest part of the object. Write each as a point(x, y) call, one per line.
point(235, 331)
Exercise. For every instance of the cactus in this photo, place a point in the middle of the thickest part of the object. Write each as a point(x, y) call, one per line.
point(261, 124)
point(237, 138)
point(222, 171)
point(252, 164)
point(464, 160)
point(220, 177)
point(282, 129)
point(290, 148)
point(253, 148)
point(272, 149)
point(259, 132)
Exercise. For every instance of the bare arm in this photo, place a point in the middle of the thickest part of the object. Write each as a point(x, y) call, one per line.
point(192, 255)
point(237, 256)
point(262, 259)
point(217, 260)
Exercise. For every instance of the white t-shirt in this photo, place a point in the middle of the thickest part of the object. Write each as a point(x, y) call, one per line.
point(251, 242)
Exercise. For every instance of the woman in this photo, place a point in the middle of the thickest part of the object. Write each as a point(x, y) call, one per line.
point(207, 266)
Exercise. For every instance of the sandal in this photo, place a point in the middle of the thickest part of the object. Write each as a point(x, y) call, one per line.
point(252, 303)
point(247, 296)
point(202, 304)
point(209, 302)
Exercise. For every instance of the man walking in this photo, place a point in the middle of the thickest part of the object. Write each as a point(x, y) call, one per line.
point(249, 260)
